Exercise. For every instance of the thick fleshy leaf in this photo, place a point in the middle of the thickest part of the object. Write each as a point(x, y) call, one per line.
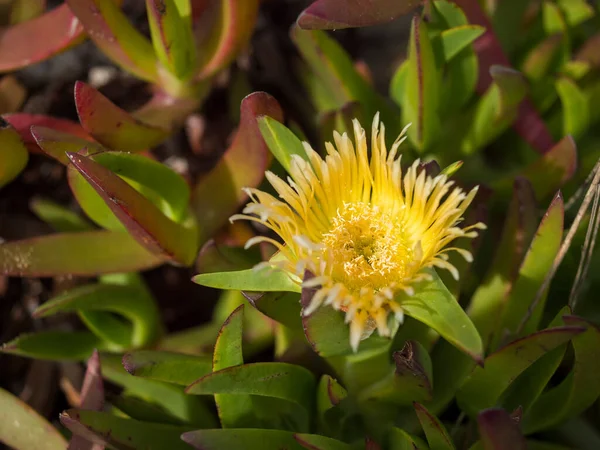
point(410, 381)
point(23, 122)
point(329, 395)
point(13, 154)
point(421, 98)
point(282, 142)
point(527, 388)
point(575, 107)
point(328, 15)
point(250, 439)
point(528, 124)
point(266, 279)
point(38, 39)
point(12, 94)
point(219, 194)
point(519, 226)
point(507, 19)
point(485, 384)
point(234, 410)
point(453, 41)
point(335, 76)
point(283, 307)
point(56, 143)
point(119, 432)
point(232, 26)
point(146, 223)
point(90, 253)
point(499, 431)
point(437, 435)
point(171, 31)
point(170, 398)
point(59, 217)
point(575, 393)
point(437, 308)
point(112, 32)
point(22, 428)
point(270, 379)
point(401, 440)
point(111, 125)
point(139, 409)
point(512, 86)
point(132, 302)
point(537, 263)
point(54, 345)
point(549, 172)
point(170, 367)
point(544, 58)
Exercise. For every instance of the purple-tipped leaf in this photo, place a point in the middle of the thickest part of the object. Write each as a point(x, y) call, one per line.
point(499, 431)
point(337, 14)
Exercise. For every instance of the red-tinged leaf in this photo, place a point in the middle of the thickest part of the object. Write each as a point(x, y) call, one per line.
point(219, 194)
point(13, 154)
point(435, 432)
point(22, 122)
point(111, 125)
point(232, 25)
point(112, 32)
point(146, 223)
point(332, 15)
point(57, 143)
point(35, 40)
point(528, 124)
point(85, 254)
point(92, 398)
point(165, 111)
point(499, 431)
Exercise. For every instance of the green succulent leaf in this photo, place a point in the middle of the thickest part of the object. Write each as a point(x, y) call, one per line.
point(54, 345)
point(169, 398)
point(282, 142)
point(436, 307)
point(486, 384)
point(279, 380)
point(576, 118)
point(329, 395)
point(56, 143)
point(13, 154)
point(90, 253)
point(172, 36)
point(576, 11)
point(453, 41)
point(249, 439)
point(399, 439)
point(283, 307)
point(170, 367)
point(22, 428)
point(119, 432)
point(575, 393)
point(131, 301)
point(60, 218)
point(265, 279)
point(112, 32)
point(435, 432)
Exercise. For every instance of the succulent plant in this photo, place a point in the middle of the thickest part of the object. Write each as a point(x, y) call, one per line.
point(353, 284)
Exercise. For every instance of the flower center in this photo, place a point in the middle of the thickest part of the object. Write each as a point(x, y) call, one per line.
point(368, 247)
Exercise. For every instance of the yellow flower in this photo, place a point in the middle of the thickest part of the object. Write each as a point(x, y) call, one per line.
point(365, 230)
